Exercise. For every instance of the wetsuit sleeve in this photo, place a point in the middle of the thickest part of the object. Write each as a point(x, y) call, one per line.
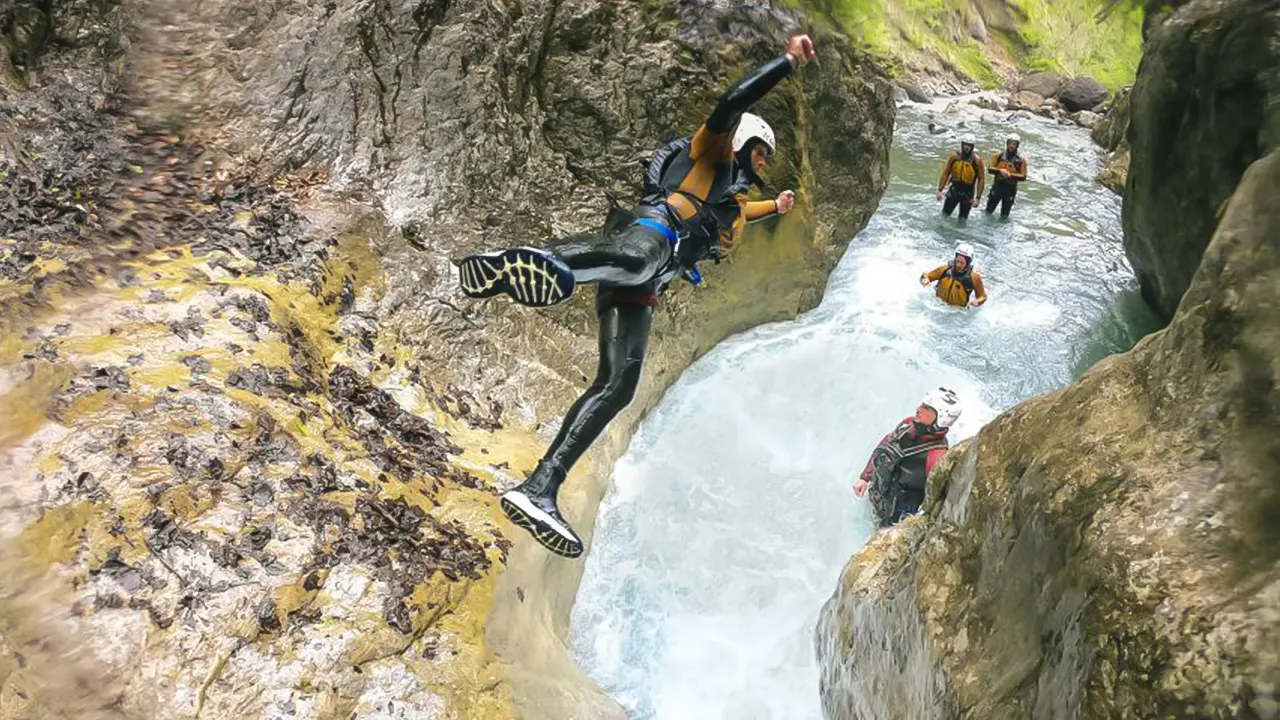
point(979, 290)
point(761, 209)
point(729, 237)
point(946, 174)
point(713, 136)
point(935, 274)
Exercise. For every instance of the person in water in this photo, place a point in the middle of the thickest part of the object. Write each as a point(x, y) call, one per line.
point(697, 210)
point(959, 282)
point(1010, 168)
point(964, 171)
point(899, 468)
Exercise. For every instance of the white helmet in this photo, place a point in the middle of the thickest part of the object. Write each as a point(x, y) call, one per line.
point(967, 139)
point(752, 126)
point(946, 404)
point(1013, 137)
point(966, 250)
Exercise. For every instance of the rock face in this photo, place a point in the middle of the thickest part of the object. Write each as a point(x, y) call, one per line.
point(1115, 172)
point(1082, 93)
point(1110, 131)
point(1045, 84)
point(254, 436)
point(1086, 119)
point(1105, 551)
point(1194, 127)
point(1109, 550)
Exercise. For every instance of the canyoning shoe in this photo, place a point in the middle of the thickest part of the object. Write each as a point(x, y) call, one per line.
point(527, 275)
point(539, 515)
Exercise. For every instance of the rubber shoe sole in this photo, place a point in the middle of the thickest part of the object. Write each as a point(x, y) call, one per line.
point(529, 276)
point(552, 533)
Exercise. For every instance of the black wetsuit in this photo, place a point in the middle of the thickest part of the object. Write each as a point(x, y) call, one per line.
point(960, 194)
point(1005, 191)
point(634, 259)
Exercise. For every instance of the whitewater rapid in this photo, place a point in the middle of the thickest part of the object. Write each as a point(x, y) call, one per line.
point(731, 515)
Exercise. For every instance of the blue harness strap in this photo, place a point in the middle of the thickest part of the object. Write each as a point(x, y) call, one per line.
point(660, 227)
point(690, 274)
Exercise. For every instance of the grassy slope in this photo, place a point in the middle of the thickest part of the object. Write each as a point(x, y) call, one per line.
point(1062, 35)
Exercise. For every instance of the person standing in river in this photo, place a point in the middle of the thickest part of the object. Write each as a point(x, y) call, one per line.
point(959, 282)
point(899, 468)
point(699, 212)
point(1010, 168)
point(963, 170)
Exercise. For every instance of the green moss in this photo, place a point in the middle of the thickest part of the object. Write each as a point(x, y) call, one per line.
point(1070, 36)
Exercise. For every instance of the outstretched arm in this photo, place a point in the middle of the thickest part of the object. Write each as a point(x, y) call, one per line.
point(761, 209)
point(724, 118)
point(933, 275)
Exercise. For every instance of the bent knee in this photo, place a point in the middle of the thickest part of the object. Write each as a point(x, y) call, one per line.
point(621, 390)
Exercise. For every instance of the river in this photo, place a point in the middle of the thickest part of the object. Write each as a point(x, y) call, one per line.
point(730, 517)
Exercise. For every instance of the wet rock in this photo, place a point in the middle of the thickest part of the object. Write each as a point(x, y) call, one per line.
point(916, 94)
point(1082, 93)
point(988, 102)
point(1110, 130)
point(1045, 84)
point(1115, 172)
point(1064, 569)
point(1086, 119)
point(1194, 127)
point(1027, 100)
point(518, 102)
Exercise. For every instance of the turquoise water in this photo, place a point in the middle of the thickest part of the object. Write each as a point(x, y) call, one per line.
point(731, 515)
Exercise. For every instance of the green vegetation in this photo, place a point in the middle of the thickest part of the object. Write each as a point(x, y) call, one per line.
point(1099, 38)
point(1067, 36)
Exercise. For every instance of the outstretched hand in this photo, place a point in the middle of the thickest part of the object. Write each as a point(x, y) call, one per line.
point(860, 487)
point(800, 48)
point(786, 199)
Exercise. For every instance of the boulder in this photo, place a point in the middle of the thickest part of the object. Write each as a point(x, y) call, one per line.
point(916, 93)
point(1027, 100)
point(987, 102)
point(1086, 119)
point(1082, 93)
point(1044, 84)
